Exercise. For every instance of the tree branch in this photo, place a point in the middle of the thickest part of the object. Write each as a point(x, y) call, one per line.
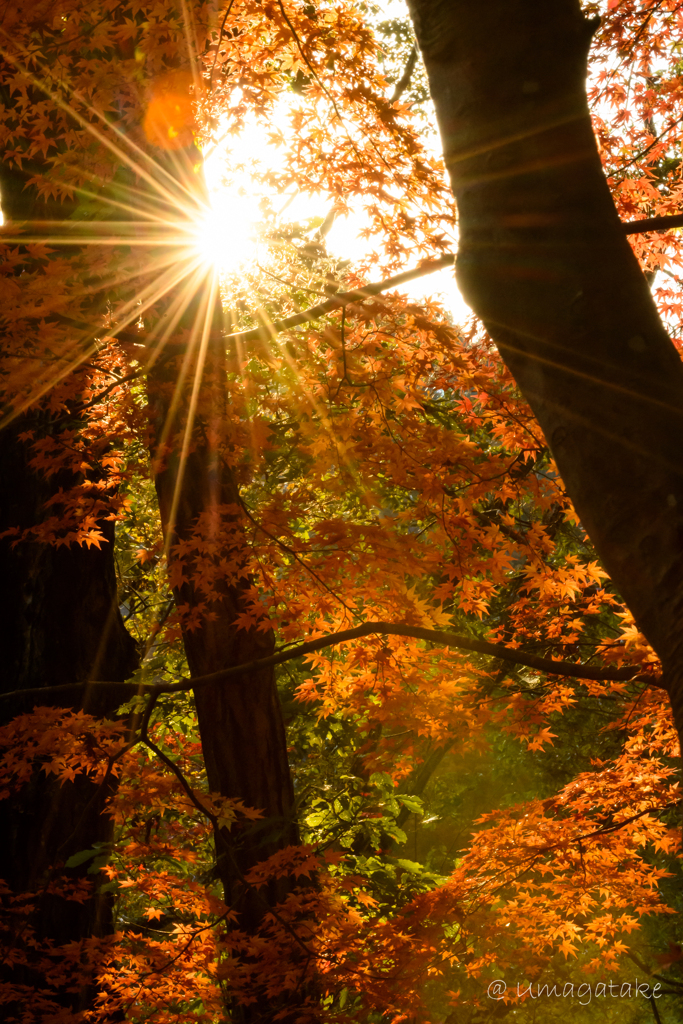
point(621, 824)
point(404, 80)
point(640, 227)
point(342, 299)
point(435, 636)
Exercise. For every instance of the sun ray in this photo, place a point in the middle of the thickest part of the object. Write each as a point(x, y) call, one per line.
point(192, 43)
point(177, 181)
point(203, 320)
point(125, 315)
point(198, 231)
point(166, 326)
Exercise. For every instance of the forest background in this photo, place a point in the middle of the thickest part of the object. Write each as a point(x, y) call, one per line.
point(317, 703)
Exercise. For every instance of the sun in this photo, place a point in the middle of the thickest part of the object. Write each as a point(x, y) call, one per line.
point(226, 234)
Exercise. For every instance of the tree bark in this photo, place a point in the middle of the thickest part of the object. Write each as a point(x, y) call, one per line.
point(59, 624)
point(544, 263)
point(240, 721)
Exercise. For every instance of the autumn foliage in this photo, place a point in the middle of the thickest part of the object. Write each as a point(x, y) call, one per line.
point(384, 469)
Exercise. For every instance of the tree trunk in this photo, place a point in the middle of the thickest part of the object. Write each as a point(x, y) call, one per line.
point(240, 721)
point(59, 625)
point(544, 262)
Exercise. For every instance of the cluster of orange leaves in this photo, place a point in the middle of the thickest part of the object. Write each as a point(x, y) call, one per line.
point(540, 878)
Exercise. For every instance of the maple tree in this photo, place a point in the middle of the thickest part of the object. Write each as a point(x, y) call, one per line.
point(340, 472)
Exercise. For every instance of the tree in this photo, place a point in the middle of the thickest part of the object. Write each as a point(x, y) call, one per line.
point(60, 620)
point(337, 468)
point(544, 262)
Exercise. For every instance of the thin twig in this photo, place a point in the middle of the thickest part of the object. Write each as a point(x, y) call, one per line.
point(404, 80)
point(144, 738)
point(220, 36)
point(290, 551)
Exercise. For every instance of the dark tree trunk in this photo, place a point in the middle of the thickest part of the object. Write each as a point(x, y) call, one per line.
point(544, 262)
point(59, 617)
point(240, 720)
point(59, 626)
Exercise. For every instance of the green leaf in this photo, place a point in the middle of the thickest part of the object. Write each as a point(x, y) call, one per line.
point(80, 858)
point(97, 865)
point(411, 866)
point(412, 804)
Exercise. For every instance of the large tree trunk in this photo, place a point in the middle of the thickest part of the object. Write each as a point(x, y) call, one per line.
point(544, 262)
point(240, 720)
point(59, 626)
